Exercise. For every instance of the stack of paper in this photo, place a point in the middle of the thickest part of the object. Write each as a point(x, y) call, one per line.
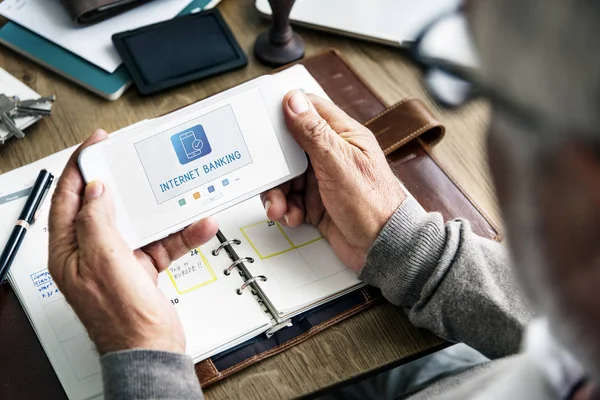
point(49, 19)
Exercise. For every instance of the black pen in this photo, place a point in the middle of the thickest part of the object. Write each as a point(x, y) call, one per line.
point(28, 215)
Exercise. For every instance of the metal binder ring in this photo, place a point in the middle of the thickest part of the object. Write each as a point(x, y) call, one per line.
point(236, 263)
point(216, 251)
point(261, 278)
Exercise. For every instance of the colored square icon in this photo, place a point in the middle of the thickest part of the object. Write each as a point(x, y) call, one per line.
point(211, 189)
point(182, 202)
point(225, 182)
point(196, 195)
point(191, 144)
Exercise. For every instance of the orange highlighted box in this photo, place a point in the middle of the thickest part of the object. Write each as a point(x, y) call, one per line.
point(196, 195)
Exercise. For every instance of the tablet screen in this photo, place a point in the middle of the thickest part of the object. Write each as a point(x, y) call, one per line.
point(213, 155)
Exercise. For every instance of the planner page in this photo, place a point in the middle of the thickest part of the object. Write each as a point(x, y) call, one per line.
point(301, 268)
point(299, 263)
point(213, 315)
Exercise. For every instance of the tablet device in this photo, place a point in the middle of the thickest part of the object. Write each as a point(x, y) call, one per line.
point(166, 173)
point(178, 51)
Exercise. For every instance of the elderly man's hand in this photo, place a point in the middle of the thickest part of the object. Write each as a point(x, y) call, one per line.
point(349, 191)
point(111, 288)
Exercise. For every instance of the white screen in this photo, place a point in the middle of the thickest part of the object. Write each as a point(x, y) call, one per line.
point(168, 174)
point(192, 159)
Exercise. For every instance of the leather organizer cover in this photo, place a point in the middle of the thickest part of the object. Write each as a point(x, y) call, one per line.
point(406, 132)
point(85, 12)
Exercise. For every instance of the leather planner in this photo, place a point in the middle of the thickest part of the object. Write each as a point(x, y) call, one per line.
point(406, 132)
point(85, 12)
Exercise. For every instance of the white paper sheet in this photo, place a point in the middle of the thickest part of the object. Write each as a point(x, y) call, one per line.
point(214, 317)
point(49, 19)
point(385, 21)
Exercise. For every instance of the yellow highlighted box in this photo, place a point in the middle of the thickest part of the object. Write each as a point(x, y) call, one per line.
point(280, 242)
point(204, 262)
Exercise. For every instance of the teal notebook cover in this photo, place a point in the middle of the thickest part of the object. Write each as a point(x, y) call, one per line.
point(70, 65)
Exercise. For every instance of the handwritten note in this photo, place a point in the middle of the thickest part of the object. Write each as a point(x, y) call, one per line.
point(46, 288)
point(191, 272)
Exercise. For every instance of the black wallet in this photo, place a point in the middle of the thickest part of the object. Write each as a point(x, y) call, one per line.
point(174, 52)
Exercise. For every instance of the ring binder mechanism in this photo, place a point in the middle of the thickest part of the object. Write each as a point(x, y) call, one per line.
point(247, 283)
point(250, 281)
point(236, 263)
point(285, 324)
point(216, 251)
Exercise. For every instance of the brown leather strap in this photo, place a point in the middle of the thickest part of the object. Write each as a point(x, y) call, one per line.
point(85, 12)
point(406, 131)
point(403, 122)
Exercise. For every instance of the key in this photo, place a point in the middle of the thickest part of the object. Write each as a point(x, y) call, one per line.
point(7, 104)
point(28, 107)
point(31, 111)
point(10, 126)
point(32, 103)
point(12, 107)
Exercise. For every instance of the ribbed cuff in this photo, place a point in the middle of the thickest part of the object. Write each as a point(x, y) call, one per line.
point(405, 254)
point(149, 374)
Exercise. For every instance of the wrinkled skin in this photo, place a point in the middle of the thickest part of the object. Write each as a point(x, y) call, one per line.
point(348, 193)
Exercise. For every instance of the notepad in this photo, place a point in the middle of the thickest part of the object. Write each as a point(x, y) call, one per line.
point(294, 270)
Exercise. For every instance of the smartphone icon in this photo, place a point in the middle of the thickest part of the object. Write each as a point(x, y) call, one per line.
point(191, 144)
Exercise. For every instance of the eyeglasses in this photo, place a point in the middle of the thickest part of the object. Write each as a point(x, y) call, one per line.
point(445, 51)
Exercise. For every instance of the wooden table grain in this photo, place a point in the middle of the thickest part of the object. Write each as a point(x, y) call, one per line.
point(375, 338)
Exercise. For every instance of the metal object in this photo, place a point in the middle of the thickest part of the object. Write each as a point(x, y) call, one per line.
point(260, 278)
point(13, 107)
point(216, 251)
point(249, 260)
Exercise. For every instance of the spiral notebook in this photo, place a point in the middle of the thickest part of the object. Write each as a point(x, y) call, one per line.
point(251, 279)
point(293, 278)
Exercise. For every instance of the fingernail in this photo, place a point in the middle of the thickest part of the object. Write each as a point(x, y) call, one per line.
point(286, 217)
point(99, 132)
point(94, 189)
point(298, 103)
point(268, 204)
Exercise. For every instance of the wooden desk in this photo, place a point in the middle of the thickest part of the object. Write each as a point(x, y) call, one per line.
point(372, 339)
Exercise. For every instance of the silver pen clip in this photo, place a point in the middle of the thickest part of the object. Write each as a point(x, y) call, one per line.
point(41, 206)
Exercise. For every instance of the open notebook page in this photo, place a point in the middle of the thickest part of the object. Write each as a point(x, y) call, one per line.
point(203, 300)
point(302, 269)
point(64, 340)
point(213, 315)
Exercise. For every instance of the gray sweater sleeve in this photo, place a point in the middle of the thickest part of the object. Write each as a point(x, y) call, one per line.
point(149, 374)
point(449, 280)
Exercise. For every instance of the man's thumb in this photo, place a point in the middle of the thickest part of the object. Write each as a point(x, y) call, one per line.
point(93, 190)
point(96, 218)
point(309, 128)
